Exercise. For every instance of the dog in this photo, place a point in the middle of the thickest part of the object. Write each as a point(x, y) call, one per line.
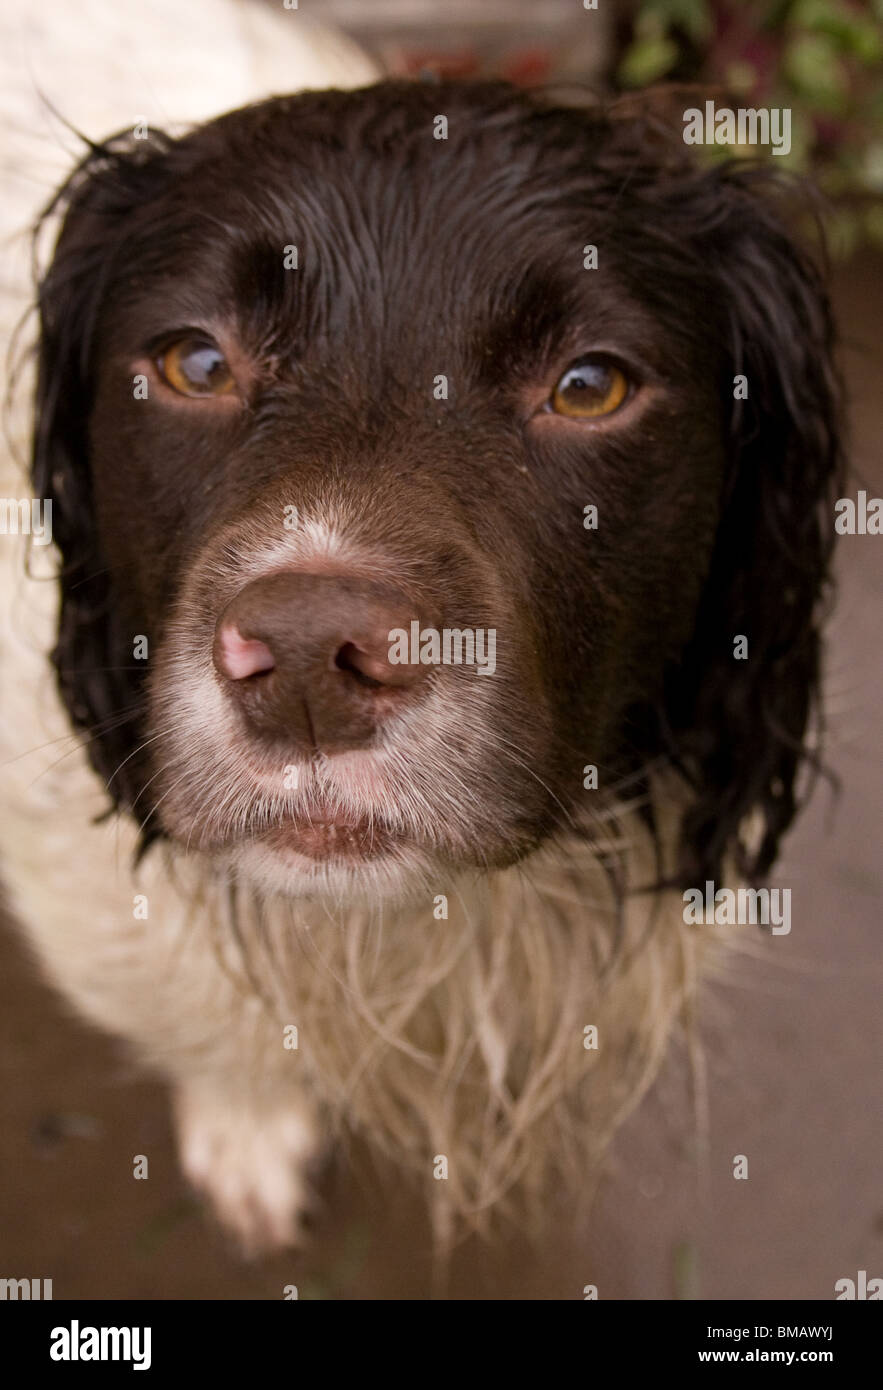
point(441, 486)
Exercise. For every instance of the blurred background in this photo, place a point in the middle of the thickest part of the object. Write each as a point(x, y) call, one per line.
point(792, 1045)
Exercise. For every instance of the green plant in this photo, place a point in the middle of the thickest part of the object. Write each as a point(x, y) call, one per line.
point(822, 59)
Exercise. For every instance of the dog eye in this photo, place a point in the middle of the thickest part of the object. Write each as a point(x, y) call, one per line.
point(590, 388)
point(196, 367)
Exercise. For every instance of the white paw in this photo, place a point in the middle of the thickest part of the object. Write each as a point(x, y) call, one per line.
point(252, 1165)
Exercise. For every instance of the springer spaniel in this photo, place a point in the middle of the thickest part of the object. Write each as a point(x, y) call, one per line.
point(450, 372)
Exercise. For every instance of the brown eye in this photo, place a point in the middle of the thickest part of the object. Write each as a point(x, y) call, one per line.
point(196, 367)
point(589, 389)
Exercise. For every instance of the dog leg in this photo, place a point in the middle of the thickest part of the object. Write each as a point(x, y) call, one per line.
point(252, 1161)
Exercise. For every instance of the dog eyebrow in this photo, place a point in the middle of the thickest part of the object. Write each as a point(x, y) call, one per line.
point(528, 320)
point(263, 290)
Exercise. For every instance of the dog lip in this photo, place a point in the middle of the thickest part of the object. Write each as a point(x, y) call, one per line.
point(331, 835)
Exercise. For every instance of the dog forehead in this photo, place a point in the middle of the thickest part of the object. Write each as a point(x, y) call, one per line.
point(406, 255)
point(379, 164)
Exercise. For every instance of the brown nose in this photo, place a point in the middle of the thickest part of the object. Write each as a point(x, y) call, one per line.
point(306, 658)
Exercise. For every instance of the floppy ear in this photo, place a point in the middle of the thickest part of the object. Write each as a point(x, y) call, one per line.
point(102, 693)
point(741, 725)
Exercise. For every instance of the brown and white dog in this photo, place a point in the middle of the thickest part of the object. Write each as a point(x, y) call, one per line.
point(345, 365)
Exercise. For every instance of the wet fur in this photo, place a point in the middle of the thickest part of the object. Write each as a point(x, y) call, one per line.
point(460, 1037)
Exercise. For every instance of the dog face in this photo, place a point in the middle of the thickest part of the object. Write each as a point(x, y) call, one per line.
point(311, 377)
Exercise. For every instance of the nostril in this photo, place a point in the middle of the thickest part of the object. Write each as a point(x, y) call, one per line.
point(367, 670)
point(238, 657)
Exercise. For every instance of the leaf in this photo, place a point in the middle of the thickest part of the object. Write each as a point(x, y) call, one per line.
point(811, 64)
point(856, 33)
point(740, 77)
point(646, 61)
point(693, 16)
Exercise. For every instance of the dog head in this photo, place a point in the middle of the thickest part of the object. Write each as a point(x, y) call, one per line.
point(428, 463)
